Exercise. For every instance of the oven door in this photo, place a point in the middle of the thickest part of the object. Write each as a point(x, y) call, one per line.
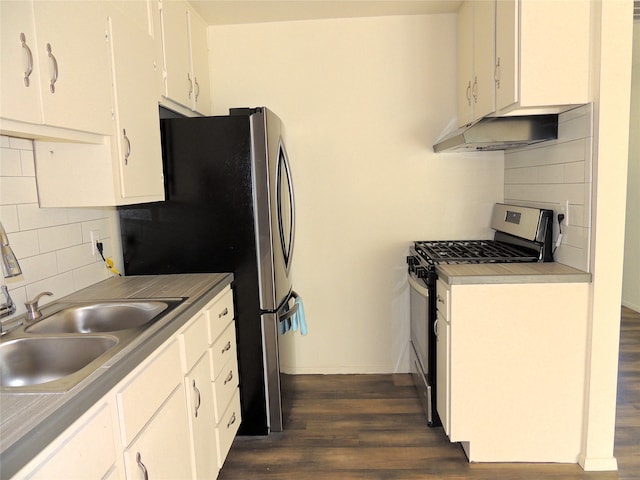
point(419, 301)
point(419, 351)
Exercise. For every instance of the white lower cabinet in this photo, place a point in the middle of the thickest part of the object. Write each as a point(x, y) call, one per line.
point(512, 370)
point(161, 451)
point(202, 420)
point(87, 449)
point(174, 416)
point(212, 384)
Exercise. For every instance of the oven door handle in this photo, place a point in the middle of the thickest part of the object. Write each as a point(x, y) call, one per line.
point(418, 286)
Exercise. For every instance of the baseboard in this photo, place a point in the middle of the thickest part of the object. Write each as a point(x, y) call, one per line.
point(631, 305)
point(598, 464)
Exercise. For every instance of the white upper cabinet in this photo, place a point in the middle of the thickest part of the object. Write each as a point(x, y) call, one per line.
point(137, 147)
point(476, 51)
point(64, 55)
point(186, 69)
point(542, 56)
point(518, 57)
point(19, 74)
point(200, 63)
point(126, 166)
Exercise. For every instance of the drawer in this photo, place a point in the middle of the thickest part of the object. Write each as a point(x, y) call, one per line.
point(224, 387)
point(227, 428)
point(139, 399)
point(223, 350)
point(220, 314)
point(194, 341)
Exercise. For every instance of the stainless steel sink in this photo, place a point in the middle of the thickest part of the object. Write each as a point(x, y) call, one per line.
point(73, 340)
point(100, 317)
point(39, 360)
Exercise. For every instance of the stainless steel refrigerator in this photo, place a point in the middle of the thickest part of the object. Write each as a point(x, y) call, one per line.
point(229, 208)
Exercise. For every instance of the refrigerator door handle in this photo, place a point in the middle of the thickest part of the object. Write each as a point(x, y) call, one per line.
point(286, 243)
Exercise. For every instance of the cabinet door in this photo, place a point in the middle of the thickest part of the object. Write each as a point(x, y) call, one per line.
point(161, 451)
point(200, 63)
point(465, 63)
point(19, 72)
point(74, 59)
point(175, 35)
point(87, 452)
point(507, 53)
point(201, 419)
point(139, 156)
point(443, 373)
point(483, 58)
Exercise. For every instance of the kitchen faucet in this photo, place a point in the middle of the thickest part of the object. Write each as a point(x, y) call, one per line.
point(10, 268)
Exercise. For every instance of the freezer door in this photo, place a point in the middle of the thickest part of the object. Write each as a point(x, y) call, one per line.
point(274, 209)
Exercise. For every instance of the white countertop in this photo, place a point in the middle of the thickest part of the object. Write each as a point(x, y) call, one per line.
point(498, 273)
point(29, 422)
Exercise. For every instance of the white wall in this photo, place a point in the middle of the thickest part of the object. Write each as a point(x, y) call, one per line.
point(631, 279)
point(52, 244)
point(363, 100)
point(550, 175)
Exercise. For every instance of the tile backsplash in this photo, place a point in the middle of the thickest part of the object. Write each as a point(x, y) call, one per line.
point(53, 245)
point(555, 174)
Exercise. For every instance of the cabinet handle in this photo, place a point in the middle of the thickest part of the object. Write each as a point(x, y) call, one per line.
point(474, 90)
point(223, 313)
point(435, 326)
point(469, 93)
point(227, 347)
point(231, 422)
point(496, 74)
point(27, 73)
point(197, 87)
point(126, 139)
point(145, 473)
point(54, 78)
point(190, 85)
point(229, 377)
point(197, 398)
point(440, 299)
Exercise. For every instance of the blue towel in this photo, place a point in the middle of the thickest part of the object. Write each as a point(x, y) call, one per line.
point(300, 317)
point(296, 320)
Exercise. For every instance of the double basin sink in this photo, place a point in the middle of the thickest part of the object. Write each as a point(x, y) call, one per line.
point(60, 349)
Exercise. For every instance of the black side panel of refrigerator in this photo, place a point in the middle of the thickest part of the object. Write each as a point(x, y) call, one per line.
point(206, 225)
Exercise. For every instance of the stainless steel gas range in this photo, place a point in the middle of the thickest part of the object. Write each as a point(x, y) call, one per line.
point(522, 234)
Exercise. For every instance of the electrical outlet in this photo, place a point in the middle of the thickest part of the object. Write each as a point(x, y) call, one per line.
point(95, 238)
point(564, 209)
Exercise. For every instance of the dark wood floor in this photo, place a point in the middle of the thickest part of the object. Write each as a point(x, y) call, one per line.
point(345, 427)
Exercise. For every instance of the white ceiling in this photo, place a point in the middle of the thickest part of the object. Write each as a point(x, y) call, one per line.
point(222, 12)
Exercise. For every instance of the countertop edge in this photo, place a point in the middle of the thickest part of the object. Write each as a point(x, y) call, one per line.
point(16, 455)
point(510, 273)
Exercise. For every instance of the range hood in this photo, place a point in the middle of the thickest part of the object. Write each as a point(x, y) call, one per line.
point(500, 133)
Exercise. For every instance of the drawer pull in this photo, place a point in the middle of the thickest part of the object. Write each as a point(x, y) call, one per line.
point(229, 377)
point(227, 347)
point(198, 399)
point(128, 153)
point(29, 71)
point(54, 76)
point(231, 421)
point(224, 313)
point(145, 473)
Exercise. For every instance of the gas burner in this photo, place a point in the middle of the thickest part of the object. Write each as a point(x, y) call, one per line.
point(472, 251)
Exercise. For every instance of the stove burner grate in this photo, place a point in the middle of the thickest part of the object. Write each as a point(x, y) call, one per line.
point(472, 251)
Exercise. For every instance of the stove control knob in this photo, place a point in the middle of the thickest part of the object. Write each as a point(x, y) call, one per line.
point(421, 272)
